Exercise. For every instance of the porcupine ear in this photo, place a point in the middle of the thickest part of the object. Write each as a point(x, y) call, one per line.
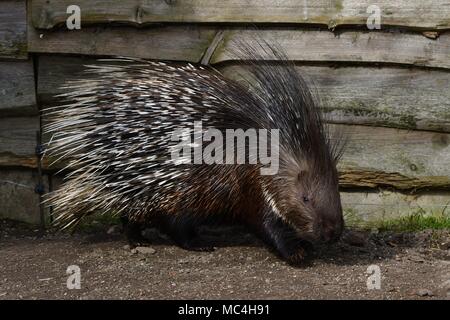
point(284, 94)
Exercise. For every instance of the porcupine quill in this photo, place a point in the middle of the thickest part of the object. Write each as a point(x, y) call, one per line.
point(114, 130)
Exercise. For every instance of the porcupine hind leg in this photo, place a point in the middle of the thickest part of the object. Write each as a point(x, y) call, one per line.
point(132, 231)
point(284, 239)
point(183, 231)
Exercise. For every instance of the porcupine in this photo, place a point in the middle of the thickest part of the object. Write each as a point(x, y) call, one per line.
point(115, 131)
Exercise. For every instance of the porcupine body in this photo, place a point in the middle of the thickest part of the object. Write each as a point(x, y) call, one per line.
point(116, 133)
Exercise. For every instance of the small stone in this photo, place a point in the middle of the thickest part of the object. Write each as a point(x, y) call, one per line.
point(134, 251)
point(145, 250)
point(126, 247)
point(424, 293)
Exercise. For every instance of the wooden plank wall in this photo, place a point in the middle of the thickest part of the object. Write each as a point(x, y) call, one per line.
point(389, 89)
point(19, 117)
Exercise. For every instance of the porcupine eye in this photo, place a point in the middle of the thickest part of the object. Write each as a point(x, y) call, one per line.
point(305, 199)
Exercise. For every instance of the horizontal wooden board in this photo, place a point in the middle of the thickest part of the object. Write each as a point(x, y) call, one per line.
point(18, 199)
point(392, 97)
point(186, 43)
point(385, 157)
point(190, 43)
point(17, 88)
point(376, 156)
point(363, 209)
point(54, 71)
point(425, 14)
point(391, 158)
point(13, 29)
point(347, 46)
point(367, 208)
point(18, 141)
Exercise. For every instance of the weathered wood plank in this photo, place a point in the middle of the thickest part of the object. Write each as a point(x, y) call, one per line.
point(17, 88)
point(427, 14)
point(362, 209)
point(13, 29)
point(53, 71)
point(376, 156)
point(18, 199)
point(390, 158)
point(392, 97)
point(349, 46)
point(189, 43)
point(402, 159)
point(186, 43)
point(18, 141)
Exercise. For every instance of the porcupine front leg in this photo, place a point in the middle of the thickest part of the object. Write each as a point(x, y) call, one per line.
point(132, 231)
point(183, 231)
point(284, 239)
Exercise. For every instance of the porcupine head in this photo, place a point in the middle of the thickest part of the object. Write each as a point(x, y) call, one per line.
point(304, 191)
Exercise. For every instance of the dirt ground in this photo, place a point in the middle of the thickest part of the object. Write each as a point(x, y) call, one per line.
point(34, 265)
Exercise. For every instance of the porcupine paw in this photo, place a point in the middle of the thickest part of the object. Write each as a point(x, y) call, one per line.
point(135, 238)
point(297, 256)
point(141, 242)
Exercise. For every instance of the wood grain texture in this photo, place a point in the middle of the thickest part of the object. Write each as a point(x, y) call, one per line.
point(186, 43)
point(391, 97)
point(18, 200)
point(362, 209)
point(190, 43)
point(402, 159)
point(54, 71)
point(18, 141)
point(17, 88)
point(381, 158)
point(423, 14)
point(376, 156)
point(13, 29)
point(347, 46)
